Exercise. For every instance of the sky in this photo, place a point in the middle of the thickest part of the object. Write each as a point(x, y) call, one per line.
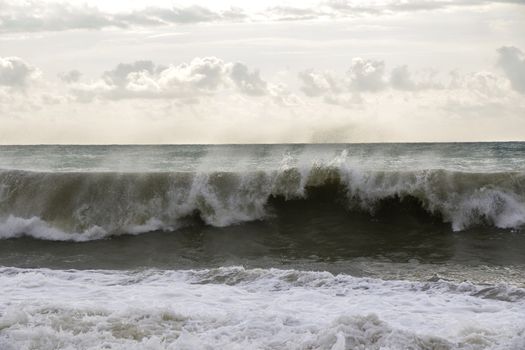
point(119, 72)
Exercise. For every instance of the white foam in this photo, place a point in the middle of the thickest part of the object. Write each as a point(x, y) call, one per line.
point(14, 227)
point(234, 308)
point(460, 200)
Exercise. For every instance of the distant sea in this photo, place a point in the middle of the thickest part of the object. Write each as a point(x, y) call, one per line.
point(305, 246)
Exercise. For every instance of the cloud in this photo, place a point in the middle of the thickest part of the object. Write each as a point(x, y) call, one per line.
point(486, 85)
point(367, 75)
point(368, 80)
point(364, 75)
point(202, 76)
point(16, 73)
point(248, 82)
point(318, 83)
point(365, 82)
point(70, 77)
point(208, 99)
point(35, 15)
point(333, 90)
point(23, 91)
point(395, 6)
point(119, 75)
point(175, 15)
point(350, 8)
point(281, 95)
point(347, 8)
point(154, 16)
point(400, 79)
point(288, 13)
point(512, 61)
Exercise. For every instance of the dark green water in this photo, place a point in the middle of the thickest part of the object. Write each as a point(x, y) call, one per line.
point(321, 207)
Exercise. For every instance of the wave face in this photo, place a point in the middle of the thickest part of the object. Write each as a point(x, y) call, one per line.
point(85, 206)
point(83, 203)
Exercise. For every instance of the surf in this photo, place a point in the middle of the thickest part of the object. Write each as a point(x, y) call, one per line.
point(82, 206)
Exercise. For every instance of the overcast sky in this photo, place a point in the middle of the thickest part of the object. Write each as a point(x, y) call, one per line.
point(275, 71)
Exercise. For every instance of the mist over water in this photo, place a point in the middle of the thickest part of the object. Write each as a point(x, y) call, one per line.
point(472, 157)
point(399, 245)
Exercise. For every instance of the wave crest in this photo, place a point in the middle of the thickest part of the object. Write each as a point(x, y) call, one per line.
point(86, 206)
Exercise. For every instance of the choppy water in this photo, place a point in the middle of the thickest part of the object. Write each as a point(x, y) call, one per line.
point(414, 246)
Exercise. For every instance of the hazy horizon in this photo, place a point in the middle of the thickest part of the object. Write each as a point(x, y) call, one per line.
point(258, 143)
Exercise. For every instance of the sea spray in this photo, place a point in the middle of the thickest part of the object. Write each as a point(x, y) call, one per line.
point(117, 203)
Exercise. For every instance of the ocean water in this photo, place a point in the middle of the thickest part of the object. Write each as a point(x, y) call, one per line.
point(347, 246)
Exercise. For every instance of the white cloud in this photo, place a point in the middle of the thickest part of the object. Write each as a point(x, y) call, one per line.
point(248, 82)
point(512, 61)
point(288, 13)
point(200, 77)
point(393, 6)
point(364, 75)
point(283, 96)
point(484, 84)
point(16, 73)
point(318, 83)
point(367, 75)
point(71, 76)
point(35, 15)
point(367, 82)
point(119, 75)
point(209, 99)
point(401, 79)
point(30, 16)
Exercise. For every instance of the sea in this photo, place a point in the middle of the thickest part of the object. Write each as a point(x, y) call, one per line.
point(292, 246)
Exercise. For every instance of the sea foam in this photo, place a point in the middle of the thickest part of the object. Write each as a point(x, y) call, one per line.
point(237, 308)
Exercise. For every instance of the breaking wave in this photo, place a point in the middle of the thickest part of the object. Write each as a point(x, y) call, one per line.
point(86, 206)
